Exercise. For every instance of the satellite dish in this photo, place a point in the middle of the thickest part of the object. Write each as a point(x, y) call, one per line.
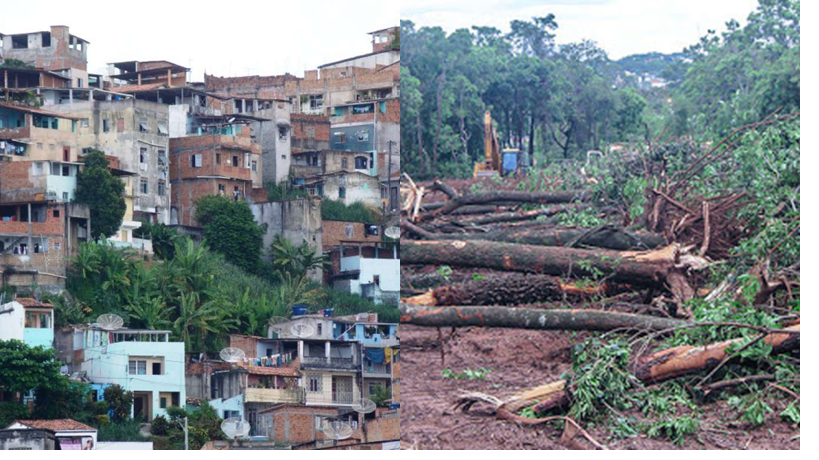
point(235, 427)
point(110, 322)
point(232, 354)
point(365, 406)
point(393, 232)
point(301, 330)
point(337, 430)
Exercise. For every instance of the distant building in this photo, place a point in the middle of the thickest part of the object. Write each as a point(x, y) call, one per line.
point(28, 439)
point(54, 50)
point(29, 321)
point(70, 434)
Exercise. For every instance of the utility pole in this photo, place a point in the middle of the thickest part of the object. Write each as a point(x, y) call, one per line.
point(186, 433)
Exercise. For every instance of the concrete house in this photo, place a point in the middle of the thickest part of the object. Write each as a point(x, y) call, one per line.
point(70, 434)
point(29, 321)
point(145, 362)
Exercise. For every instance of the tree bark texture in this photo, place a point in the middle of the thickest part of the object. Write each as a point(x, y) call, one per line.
point(646, 268)
point(515, 197)
point(525, 318)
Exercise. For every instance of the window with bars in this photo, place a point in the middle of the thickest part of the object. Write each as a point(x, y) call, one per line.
point(314, 383)
point(137, 367)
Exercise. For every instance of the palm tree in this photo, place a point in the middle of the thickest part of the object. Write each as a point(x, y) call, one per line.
point(152, 313)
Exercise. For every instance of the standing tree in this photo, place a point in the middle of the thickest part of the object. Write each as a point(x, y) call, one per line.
point(24, 368)
point(229, 228)
point(102, 192)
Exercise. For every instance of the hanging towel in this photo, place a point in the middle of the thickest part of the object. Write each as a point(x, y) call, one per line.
point(388, 355)
point(278, 360)
point(376, 355)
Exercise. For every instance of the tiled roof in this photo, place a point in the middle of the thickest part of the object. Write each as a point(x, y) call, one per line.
point(63, 424)
point(29, 302)
point(280, 371)
point(37, 111)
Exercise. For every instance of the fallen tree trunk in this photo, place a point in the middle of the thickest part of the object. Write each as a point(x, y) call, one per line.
point(524, 318)
point(661, 365)
point(678, 361)
point(605, 236)
point(519, 216)
point(514, 197)
point(515, 289)
point(646, 268)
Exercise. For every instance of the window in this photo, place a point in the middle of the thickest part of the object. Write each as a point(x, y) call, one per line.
point(105, 127)
point(319, 329)
point(196, 160)
point(314, 383)
point(143, 125)
point(156, 368)
point(84, 123)
point(348, 231)
point(363, 136)
point(235, 161)
point(221, 189)
point(253, 165)
point(218, 159)
point(162, 128)
point(344, 163)
point(282, 133)
point(56, 213)
point(160, 157)
point(339, 138)
point(163, 402)
point(161, 187)
point(361, 162)
point(319, 419)
point(373, 387)
point(143, 186)
point(137, 367)
point(143, 155)
point(317, 102)
point(342, 192)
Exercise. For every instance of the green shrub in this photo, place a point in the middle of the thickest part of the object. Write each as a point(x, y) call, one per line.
point(355, 212)
point(126, 431)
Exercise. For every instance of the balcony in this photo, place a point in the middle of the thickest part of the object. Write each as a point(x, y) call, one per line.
point(272, 395)
point(320, 362)
point(378, 371)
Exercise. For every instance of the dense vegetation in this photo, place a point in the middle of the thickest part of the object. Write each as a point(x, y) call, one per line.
point(558, 101)
point(355, 212)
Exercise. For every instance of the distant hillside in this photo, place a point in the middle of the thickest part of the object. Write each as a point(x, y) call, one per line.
point(653, 63)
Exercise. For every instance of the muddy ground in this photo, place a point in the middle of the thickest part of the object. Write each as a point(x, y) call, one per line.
point(520, 359)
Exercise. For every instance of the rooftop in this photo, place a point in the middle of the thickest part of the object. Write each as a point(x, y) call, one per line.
point(62, 424)
point(29, 302)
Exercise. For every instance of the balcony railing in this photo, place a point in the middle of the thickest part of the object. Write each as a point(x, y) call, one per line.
point(377, 369)
point(272, 395)
point(322, 362)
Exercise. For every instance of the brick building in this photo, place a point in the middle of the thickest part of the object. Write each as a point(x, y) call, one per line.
point(55, 50)
point(223, 160)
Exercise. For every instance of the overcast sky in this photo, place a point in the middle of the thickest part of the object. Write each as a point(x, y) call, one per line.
point(621, 27)
point(225, 38)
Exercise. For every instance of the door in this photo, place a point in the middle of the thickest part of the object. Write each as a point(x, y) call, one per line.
point(342, 389)
point(66, 154)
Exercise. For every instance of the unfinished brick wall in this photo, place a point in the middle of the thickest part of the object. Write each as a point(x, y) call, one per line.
point(335, 231)
point(310, 132)
point(293, 424)
point(246, 343)
point(393, 114)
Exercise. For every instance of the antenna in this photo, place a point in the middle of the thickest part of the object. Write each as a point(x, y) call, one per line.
point(235, 427)
point(232, 354)
point(337, 430)
point(365, 406)
point(393, 232)
point(301, 330)
point(110, 322)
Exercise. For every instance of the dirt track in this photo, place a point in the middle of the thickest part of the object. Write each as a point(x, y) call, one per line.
point(519, 359)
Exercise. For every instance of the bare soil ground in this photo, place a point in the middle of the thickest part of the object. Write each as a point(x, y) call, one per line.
point(521, 359)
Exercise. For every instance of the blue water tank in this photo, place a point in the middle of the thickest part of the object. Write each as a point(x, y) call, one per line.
point(299, 310)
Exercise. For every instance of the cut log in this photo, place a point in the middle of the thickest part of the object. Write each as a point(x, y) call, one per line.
point(645, 268)
point(678, 361)
point(514, 289)
point(605, 236)
point(524, 318)
point(515, 197)
point(519, 216)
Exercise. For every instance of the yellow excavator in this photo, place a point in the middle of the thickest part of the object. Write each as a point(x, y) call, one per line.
point(497, 162)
